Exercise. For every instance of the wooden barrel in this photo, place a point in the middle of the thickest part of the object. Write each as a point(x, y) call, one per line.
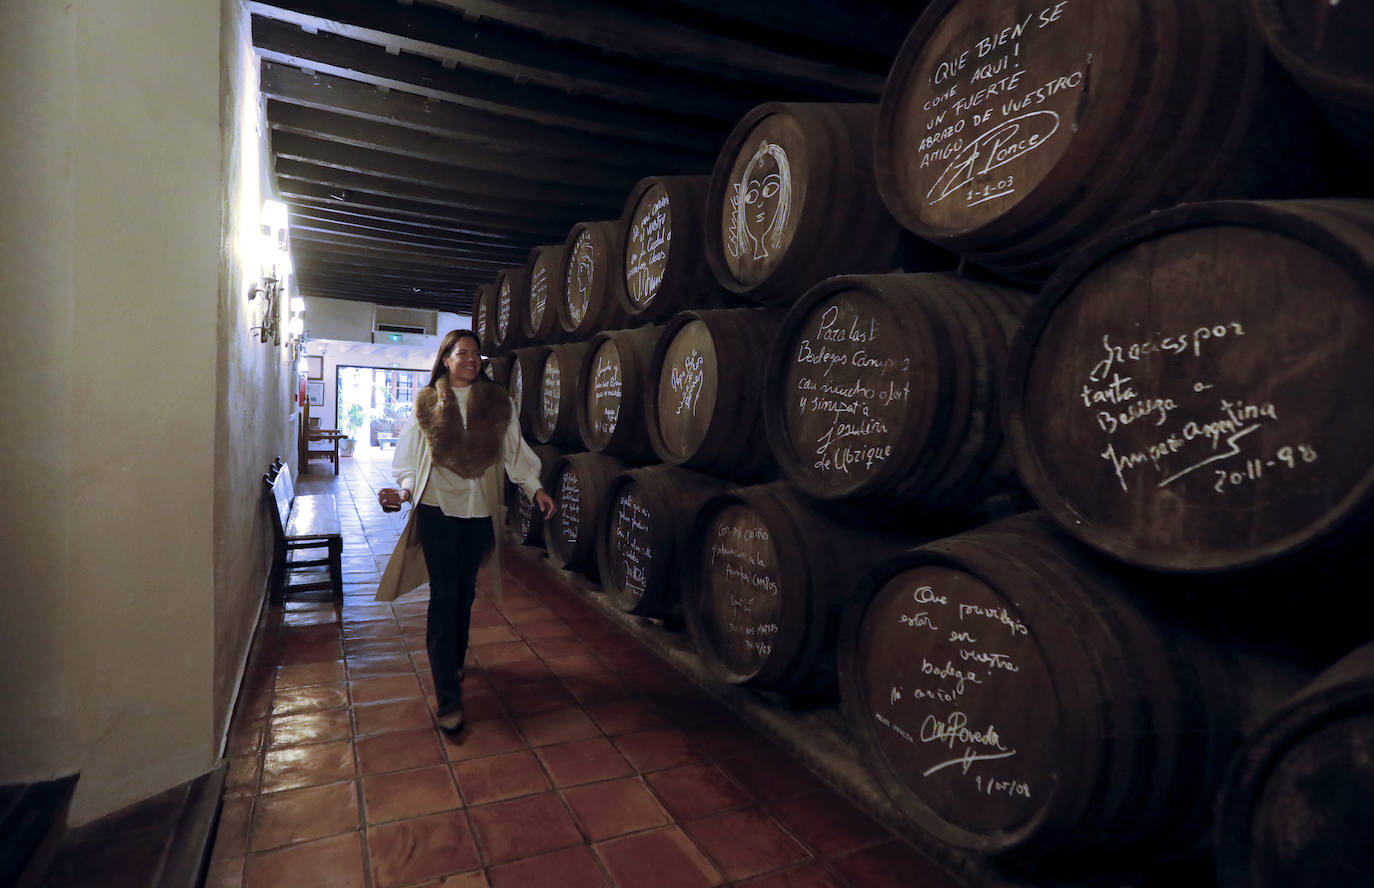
point(526, 521)
point(524, 385)
point(559, 385)
point(544, 271)
point(593, 280)
point(1190, 392)
point(768, 575)
point(615, 377)
point(579, 485)
point(641, 546)
point(885, 388)
point(483, 305)
point(498, 369)
point(793, 201)
point(1294, 812)
point(1011, 692)
point(704, 400)
point(1010, 134)
point(662, 251)
point(510, 306)
point(1325, 46)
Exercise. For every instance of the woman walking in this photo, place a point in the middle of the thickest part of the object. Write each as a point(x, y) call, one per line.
point(449, 461)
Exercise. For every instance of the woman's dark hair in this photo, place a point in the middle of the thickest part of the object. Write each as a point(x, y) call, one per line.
point(450, 340)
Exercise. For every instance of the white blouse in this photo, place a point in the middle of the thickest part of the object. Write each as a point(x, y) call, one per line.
point(456, 496)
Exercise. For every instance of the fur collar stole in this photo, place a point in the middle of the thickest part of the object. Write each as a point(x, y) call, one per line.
point(467, 451)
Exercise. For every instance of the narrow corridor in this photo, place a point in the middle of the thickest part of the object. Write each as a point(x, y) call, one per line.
point(587, 760)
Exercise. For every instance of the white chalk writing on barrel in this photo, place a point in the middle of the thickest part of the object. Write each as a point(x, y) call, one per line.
point(687, 380)
point(646, 250)
point(581, 270)
point(843, 415)
point(570, 505)
point(991, 103)
point(630, 541)
point(539, 292)
point(761, 203)
point(552, 390)
point(745, 588)
point(517, 385)
point(1196, 429)
point(503, 311)
point(606, 392)
point(969, 649)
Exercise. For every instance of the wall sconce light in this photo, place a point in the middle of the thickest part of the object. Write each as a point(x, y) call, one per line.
point(274, 264)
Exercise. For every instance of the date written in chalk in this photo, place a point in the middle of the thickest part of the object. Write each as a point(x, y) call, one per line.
point(1254, 468)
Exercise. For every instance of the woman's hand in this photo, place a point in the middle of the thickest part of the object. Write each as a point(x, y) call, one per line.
point(391, 498)
point(545, 503)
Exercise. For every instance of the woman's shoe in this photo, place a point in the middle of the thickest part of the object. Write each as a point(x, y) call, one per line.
point(451, 722)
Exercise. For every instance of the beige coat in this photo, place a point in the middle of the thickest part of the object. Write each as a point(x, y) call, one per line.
point(406, 571)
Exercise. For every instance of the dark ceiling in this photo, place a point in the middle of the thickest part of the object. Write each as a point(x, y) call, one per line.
point(424, 145)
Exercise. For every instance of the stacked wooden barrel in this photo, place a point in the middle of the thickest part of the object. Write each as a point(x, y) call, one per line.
point(885, 388)
point(1017, 694)
point(643, 548)
point(1184, 396)
point(1011, 135)
point(1294, 810)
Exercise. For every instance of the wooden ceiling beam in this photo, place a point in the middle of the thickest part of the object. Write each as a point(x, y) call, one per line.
point(286, 83)
point(382, 253)
point(289, 146)
point(335, 187)
point(632, 33)
point(383, 275)
point(358, 284)
point(378, 224)
point(518, 54)
point(441, 246)
point(315, 232)
point(341, 129)
point(873, 28)
point(459, 304)
point(349, 264)
point(355, 60)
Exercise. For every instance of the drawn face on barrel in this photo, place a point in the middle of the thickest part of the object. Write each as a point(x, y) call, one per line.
point(763, 201)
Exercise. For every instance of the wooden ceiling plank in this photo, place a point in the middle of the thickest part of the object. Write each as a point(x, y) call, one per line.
point(286, 83)
point(331, 187)
point(382, 253)
point(537, 197)
point(356, 60)
point(381, 223)
point(344, 130)
point(518, 54)
point(315, 231)
point(428, 241)
point(460, 304)
point(873, 27)
point(635, 34)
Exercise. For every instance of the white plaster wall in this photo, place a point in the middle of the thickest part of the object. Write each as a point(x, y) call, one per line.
point(37, 187)
point(256, 406)
point(112, 143)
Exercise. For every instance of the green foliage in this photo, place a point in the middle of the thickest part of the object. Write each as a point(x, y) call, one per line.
point(353, 419)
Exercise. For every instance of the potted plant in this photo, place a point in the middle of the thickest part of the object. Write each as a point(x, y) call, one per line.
point(353, 420)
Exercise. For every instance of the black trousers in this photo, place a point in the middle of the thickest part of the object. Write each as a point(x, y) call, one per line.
point(454, 548)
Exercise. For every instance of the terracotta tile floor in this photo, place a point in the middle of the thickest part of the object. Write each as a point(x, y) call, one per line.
point(587, 760)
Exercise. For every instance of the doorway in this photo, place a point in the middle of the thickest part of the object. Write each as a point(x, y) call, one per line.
point(373, 405)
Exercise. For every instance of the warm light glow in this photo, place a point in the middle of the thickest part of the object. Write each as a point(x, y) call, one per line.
point(303, 365)
point(297, 326)
point(297, 305)
point(274, 215)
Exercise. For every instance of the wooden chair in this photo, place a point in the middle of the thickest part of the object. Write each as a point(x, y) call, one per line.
point(302, 524)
